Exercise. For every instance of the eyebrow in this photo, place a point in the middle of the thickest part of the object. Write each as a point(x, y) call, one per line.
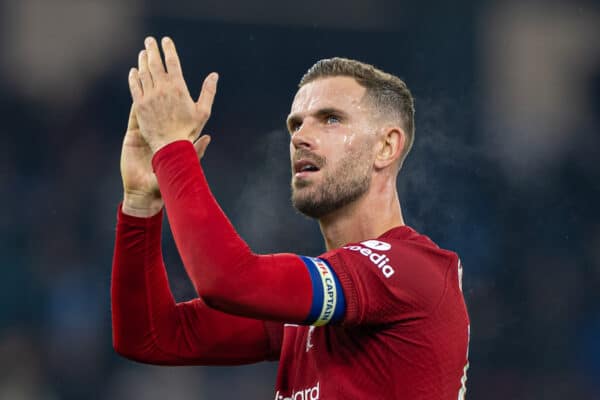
point(322, 112)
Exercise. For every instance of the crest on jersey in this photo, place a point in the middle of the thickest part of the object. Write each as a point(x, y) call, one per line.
point(377, 245)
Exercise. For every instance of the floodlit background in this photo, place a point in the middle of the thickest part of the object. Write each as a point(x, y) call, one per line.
point(505, 171)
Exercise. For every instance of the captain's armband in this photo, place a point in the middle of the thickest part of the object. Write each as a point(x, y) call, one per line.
point(328, 304)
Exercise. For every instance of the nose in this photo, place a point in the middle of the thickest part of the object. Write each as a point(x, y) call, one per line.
point(304, 137)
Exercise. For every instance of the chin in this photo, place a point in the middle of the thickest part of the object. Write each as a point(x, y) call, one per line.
point(301, 183)
point(306, 204)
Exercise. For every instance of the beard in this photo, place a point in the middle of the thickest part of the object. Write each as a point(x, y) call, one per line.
point(342, 185)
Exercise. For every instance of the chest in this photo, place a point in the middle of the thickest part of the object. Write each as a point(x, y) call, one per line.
point(328, 347)
point(331, 360)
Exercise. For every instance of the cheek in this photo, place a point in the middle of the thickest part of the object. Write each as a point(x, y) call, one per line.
point(361, 151)
point(340, 138)
point(354, 142)
point(355, 135)
point(349, 139)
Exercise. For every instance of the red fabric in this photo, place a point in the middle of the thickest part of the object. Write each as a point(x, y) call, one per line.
point(404, 336)
point(148, 325)
point(226, 274)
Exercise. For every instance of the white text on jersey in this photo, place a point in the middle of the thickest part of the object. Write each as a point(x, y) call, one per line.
point(305, 394)
point(380, 260)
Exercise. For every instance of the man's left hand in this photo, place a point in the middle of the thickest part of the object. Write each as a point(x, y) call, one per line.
point(165, 110)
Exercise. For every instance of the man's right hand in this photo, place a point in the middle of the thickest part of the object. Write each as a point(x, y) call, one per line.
point(141, 192)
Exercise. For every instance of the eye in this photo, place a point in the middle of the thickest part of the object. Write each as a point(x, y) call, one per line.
point(332, 119)
point(294, 126)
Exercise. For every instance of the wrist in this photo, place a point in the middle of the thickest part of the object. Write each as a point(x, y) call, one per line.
point(157, 145)
point(141, 205)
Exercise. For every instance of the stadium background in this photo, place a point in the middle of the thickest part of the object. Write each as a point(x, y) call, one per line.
point(504, 171)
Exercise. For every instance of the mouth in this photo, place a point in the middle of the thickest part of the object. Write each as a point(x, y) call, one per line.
point(304, 168)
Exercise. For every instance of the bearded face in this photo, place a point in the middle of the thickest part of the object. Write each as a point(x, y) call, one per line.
point(337, 186)
point(332, 145)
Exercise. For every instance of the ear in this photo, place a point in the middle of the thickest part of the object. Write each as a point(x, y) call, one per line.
point(391, 145)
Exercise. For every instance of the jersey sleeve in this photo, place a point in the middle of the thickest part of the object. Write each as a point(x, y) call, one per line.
point(227, 275)
point(388, 282)
point(149, 326)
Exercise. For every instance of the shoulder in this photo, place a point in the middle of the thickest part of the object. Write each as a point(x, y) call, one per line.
point(401, 269)
point(400, 249)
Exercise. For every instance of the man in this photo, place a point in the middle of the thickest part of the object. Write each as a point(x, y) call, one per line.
point(380, 315)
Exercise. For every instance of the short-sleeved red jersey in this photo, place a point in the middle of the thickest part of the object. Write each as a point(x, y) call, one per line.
point(404, 335)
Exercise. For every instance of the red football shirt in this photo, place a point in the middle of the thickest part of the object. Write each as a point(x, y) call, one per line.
point(388, 313)
point(405, 333)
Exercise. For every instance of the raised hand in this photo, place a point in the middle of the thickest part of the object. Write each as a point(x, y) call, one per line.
point(141, 194)
point(165, 110)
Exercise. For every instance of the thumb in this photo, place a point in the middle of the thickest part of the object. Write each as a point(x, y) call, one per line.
point(201, 144)
point(132, 123)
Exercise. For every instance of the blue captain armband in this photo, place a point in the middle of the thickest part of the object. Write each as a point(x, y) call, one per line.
point(328, 303)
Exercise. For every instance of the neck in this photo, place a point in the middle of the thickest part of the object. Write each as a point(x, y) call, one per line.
point(373, 214)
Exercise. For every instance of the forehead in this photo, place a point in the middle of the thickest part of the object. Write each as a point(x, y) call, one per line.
point(341, 92)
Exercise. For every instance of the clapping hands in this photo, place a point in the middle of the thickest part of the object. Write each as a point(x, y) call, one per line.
point(162, 112)
point(165, 110)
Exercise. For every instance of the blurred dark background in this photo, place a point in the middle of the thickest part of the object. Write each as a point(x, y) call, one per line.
point(504, 171)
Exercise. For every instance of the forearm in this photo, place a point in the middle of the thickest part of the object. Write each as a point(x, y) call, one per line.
point(144, 315)
point(225, 272)
point(148, 325)
point(134, 254)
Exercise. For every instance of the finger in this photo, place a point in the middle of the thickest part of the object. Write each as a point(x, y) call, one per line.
point(201, 144)
point(207, 95)
point(155, 64)
point(135, 86)
point(171, 58)
point(132, 124)
point(144, 73)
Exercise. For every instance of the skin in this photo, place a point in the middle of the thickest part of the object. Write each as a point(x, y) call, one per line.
point(162, 112)
point(332, 124)
point(332, 118)
point(343, 176)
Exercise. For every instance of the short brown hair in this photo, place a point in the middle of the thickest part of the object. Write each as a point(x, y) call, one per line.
point(388, 93)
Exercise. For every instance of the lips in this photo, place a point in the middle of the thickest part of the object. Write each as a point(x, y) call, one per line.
point(304, 169)
point(304, 165)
